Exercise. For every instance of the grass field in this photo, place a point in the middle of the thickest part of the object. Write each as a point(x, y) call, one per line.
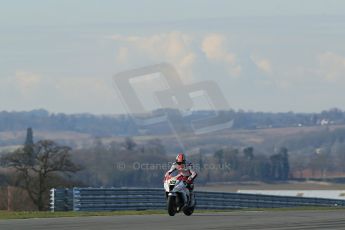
point(47, 214)
point(248, 137)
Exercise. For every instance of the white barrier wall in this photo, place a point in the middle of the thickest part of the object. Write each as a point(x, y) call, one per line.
point(328, 194)
point(111, 199)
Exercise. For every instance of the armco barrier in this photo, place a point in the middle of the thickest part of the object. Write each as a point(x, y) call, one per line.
point(111, 199)
point(61, 199)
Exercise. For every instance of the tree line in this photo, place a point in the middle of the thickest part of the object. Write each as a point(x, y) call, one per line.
point(38, 166)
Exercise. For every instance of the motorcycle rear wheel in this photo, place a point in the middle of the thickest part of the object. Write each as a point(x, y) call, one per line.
point(188, 211)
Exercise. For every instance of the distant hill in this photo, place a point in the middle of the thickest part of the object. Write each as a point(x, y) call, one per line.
point(159, 122)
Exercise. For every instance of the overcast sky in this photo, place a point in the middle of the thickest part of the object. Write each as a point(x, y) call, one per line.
point(267, 55)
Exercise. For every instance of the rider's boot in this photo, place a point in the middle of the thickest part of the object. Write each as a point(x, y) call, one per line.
point(192, 199)
point(186, 201)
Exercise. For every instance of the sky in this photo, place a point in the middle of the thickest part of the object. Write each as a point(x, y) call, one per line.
point(268, 55)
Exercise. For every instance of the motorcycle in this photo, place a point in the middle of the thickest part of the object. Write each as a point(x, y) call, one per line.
point(178, 196)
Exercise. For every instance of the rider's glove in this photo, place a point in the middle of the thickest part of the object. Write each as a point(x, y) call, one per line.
point(189, 181)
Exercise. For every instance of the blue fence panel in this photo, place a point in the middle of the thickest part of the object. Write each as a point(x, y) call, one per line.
point(111, 199)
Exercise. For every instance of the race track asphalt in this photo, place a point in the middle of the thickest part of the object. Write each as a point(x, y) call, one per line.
point(225, 220)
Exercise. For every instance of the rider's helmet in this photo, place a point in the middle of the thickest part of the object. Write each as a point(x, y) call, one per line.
point(180, 159)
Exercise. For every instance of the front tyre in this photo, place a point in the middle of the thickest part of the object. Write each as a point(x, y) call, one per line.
point(171, 205)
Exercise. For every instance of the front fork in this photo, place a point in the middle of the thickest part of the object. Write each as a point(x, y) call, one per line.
point(181, 198)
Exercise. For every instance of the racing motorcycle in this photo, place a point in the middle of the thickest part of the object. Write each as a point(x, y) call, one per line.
point(178, 196)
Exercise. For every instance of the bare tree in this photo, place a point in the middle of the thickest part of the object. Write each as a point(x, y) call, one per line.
point(40, 169)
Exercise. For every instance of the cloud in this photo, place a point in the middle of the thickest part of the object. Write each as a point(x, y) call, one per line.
point(82, 94)
point(173, 47)
point(332, 66)
point(122, 55)
point(26, 82)
point(181, 49)
point(263, 64)
point(215, 48)
point(21, 90)
point(26, 90)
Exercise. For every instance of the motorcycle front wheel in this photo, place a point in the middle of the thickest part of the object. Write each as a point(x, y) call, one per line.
point(171, 205)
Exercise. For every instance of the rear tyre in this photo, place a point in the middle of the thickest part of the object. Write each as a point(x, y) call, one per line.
point(171, 205)
point(188, 211)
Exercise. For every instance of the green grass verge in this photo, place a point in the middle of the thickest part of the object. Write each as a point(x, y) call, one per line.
point(6, 215)
point(27, 215)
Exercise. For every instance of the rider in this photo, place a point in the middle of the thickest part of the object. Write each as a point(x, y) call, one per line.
point(186, 170)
